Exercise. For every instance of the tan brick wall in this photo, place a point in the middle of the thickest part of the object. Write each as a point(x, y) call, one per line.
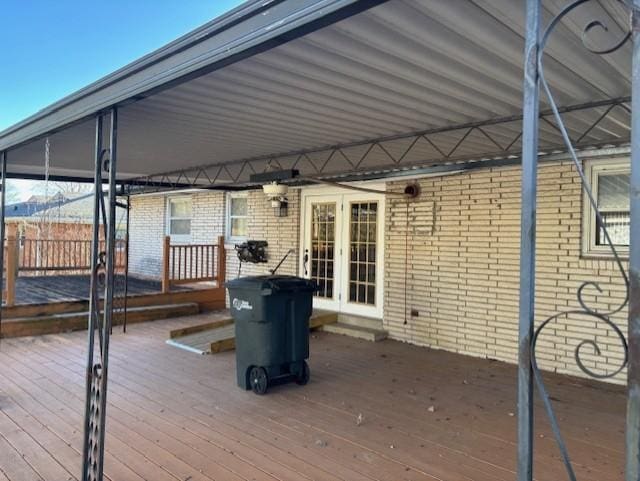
point(282, 234)
point(148, 227)
point(462, 271)
point(146, 230)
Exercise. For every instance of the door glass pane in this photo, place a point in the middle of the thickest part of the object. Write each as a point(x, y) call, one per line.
point(363, 228)
point(323, 220)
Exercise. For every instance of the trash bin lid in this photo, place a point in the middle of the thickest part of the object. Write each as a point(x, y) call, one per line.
point(273, 282)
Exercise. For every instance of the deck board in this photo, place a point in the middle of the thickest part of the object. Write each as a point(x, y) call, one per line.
point(173, 415)
point(64, 288)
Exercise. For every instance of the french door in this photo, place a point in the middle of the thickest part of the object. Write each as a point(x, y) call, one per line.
point(343, 250)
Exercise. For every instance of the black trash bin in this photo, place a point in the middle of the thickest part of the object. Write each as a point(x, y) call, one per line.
point(271, 315)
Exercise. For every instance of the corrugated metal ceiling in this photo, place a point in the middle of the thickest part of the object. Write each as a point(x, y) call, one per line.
point(401, 67)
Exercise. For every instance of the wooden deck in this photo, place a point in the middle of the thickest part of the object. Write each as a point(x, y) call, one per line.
point(64, 288)
point(173, 415)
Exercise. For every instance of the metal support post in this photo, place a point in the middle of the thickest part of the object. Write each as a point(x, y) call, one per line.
point(633, 380)
point(528, 240)
point(126, 266)
point(102, 278)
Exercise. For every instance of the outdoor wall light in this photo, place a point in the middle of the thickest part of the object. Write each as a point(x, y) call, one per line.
point(280, 207)
point(276, 194)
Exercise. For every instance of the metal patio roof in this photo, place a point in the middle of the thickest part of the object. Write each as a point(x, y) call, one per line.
point(335, 87)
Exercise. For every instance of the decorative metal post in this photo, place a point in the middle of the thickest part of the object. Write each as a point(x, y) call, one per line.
point(3, 181)
point(534, 79)
point(528, 240)
point(633, 372)
point(102, 278)
point(126, 265)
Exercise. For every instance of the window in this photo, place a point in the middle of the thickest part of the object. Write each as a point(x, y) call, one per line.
point(237, 211)
point(610, 187)
point(179, 218)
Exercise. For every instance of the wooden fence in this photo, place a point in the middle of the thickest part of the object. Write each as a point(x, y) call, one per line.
point(189, 263)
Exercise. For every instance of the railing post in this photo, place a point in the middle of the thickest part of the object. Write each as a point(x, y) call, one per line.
point(12, 268)
point(222, 260)
point(530, 110)
point(166, 251)
point(632, 468)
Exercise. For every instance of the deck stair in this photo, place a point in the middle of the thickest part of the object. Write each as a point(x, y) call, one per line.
point(73, 321)
point(360, 327)
point(218, 335)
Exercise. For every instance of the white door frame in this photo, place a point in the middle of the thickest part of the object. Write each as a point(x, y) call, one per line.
point(345, 196)
point(305, 223)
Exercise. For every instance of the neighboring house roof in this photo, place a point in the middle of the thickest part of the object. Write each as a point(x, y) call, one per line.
point(72, 208)
point(36, 204)
point(79, 209)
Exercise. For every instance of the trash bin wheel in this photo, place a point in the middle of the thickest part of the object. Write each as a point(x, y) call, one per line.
point(305, 374)
point(259, 380)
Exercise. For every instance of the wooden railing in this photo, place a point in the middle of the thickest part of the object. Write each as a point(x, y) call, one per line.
point(190, 263)
point(42, 257)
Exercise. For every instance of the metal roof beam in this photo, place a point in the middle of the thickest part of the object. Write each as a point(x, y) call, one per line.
point(237, 172)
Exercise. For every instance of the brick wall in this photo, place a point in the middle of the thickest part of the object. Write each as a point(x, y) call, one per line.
point(455, 266)
point(146, 230)
point(282, 233)
point(462, 270)
point(148, 227)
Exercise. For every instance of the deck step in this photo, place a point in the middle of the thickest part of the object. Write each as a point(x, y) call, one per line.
point(360, 321)
point(75, 321)
point(218, 334)
point(359, 332)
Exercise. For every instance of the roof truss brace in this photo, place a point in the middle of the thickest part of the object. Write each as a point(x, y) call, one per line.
point(597, 124)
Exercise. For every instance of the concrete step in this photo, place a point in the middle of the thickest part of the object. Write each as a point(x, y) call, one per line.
point(360, 321)
point(75, 321)
point(359, 332)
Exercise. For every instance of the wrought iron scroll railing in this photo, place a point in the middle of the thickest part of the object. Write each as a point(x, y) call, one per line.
point(587, 309)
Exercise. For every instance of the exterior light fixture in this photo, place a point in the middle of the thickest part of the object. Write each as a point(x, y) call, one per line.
point(277, 195)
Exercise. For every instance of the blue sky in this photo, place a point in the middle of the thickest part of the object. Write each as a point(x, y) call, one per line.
point(51, 48)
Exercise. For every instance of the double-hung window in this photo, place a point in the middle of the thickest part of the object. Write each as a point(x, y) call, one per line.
point(610, 187)
point(237, 216)
point(179, 212)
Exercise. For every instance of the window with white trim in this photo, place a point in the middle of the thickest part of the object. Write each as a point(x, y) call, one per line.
point(237, 216)
point(609, 182)
point(179, 212)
